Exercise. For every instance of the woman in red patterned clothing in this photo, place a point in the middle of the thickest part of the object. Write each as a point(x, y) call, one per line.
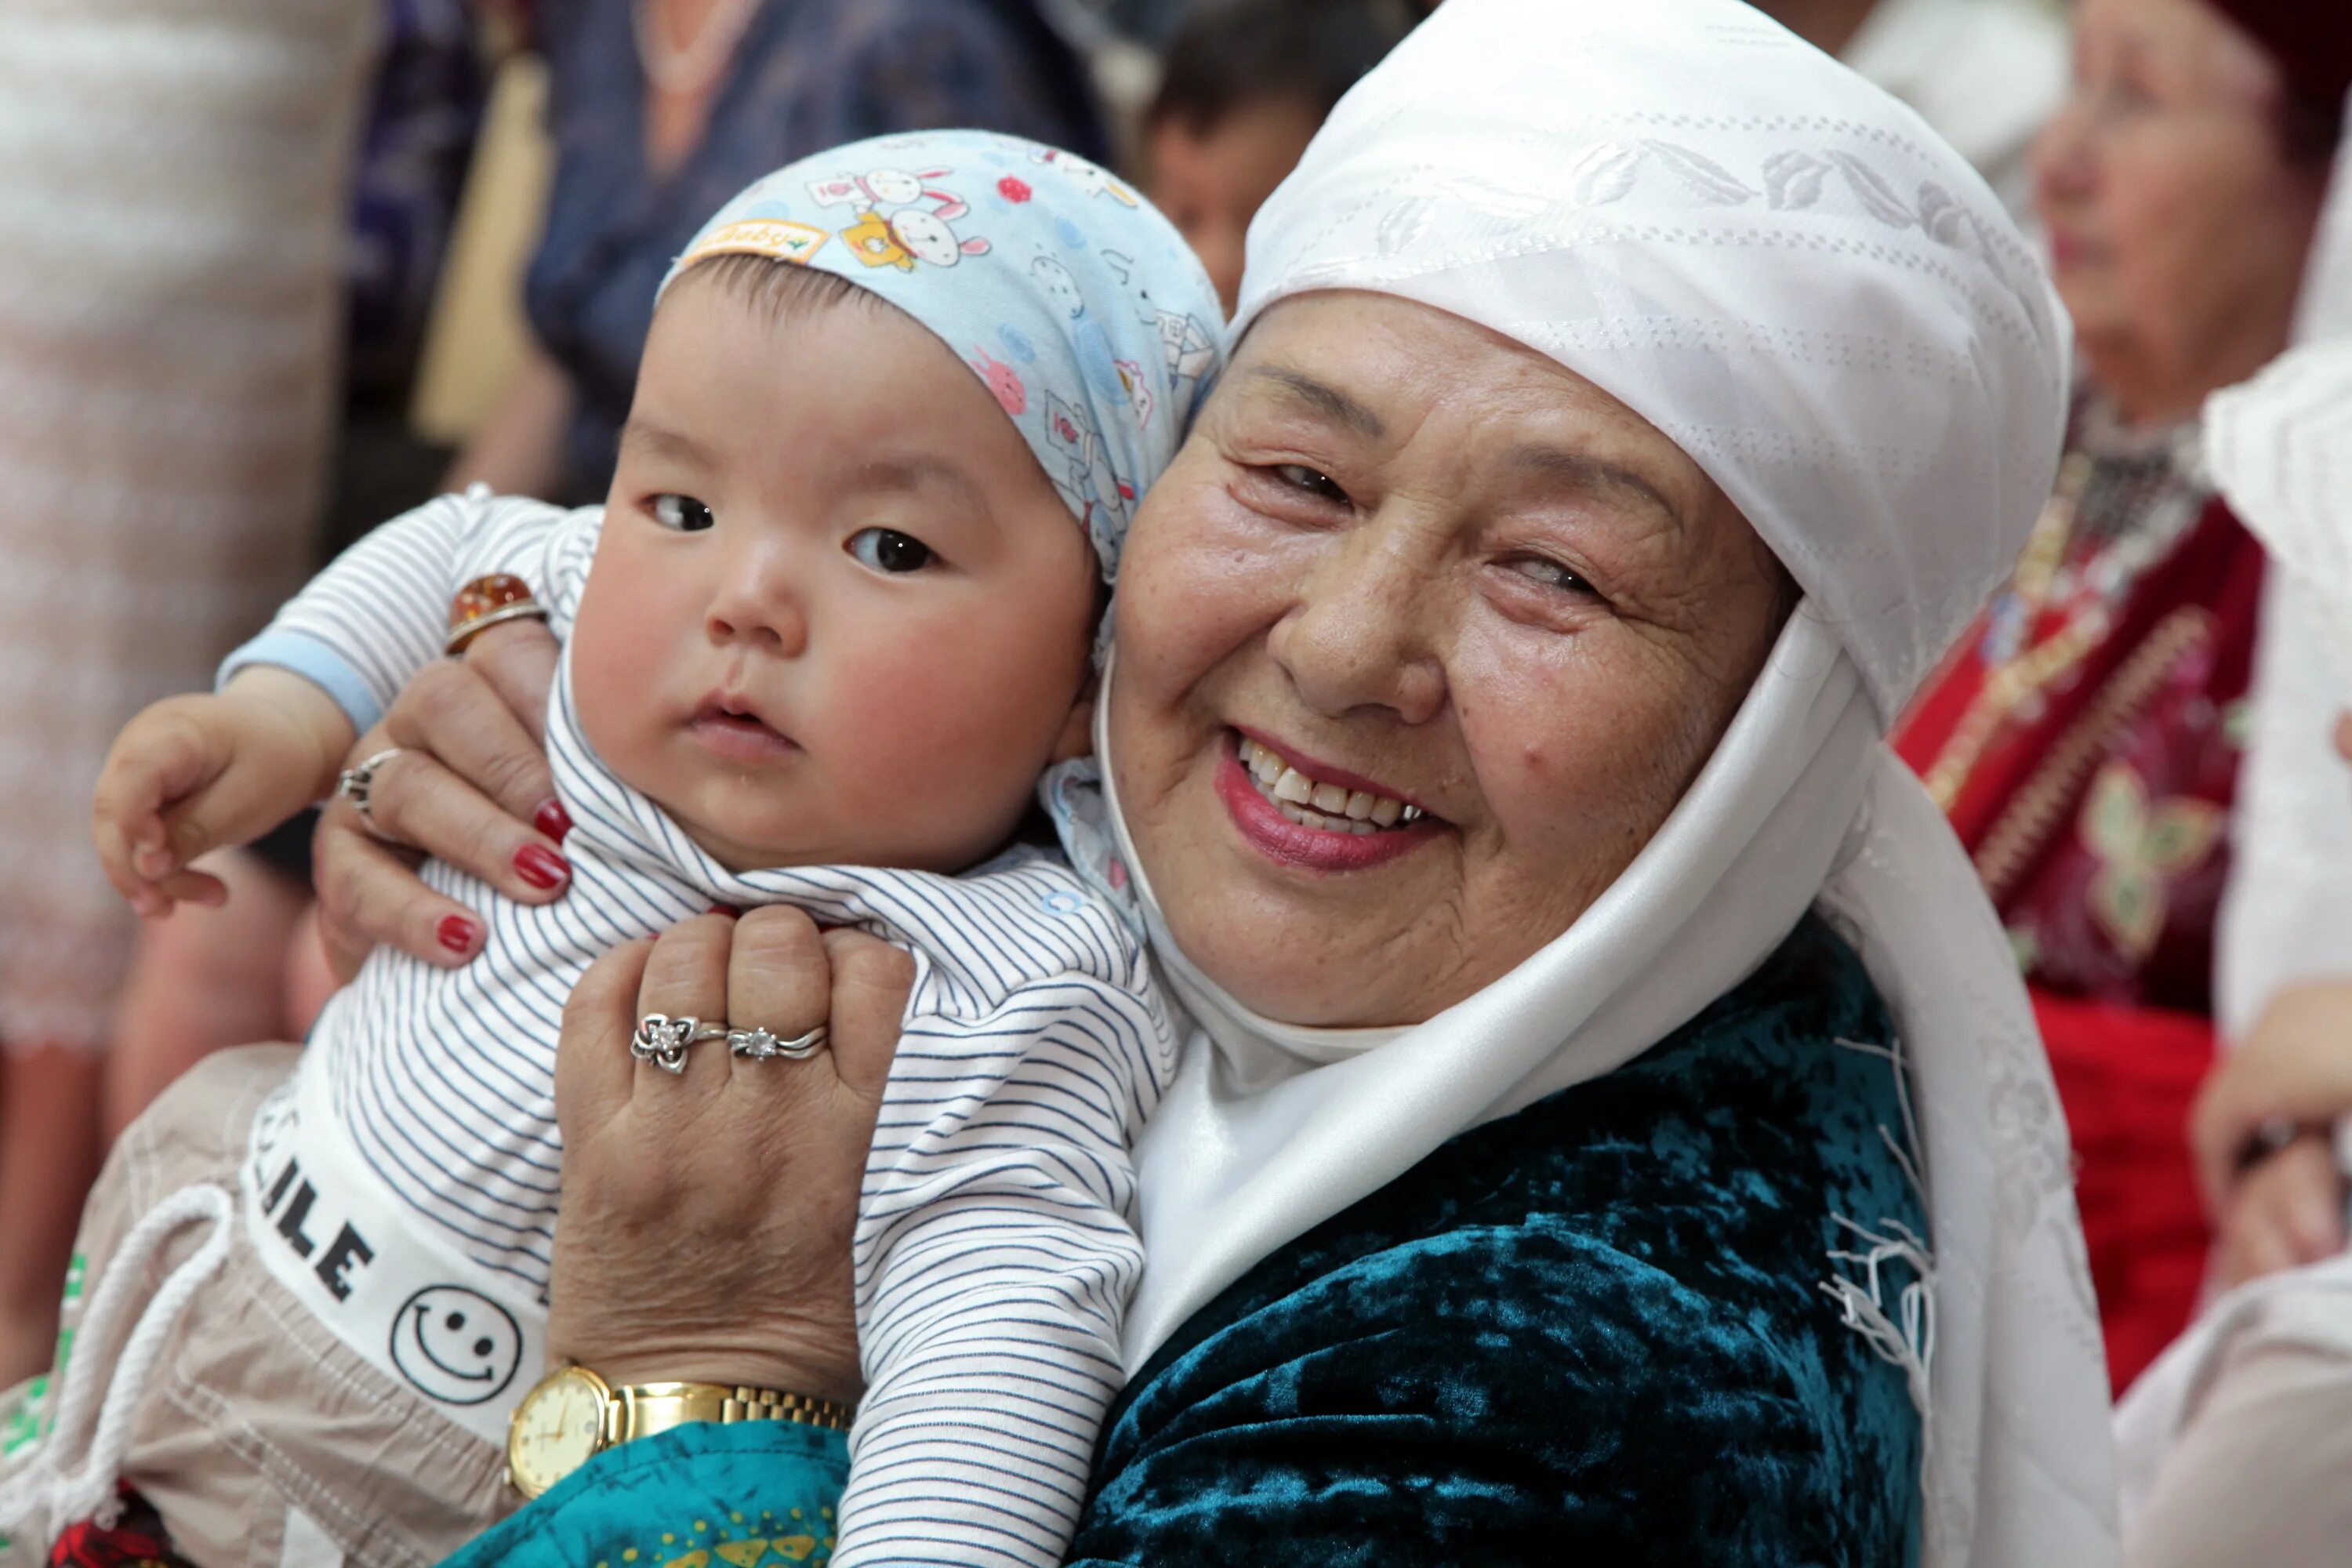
point(2086, 738)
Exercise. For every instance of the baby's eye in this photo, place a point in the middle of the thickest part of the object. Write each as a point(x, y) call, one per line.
point(887, 550)
point(1321, 486)
point(683, 513)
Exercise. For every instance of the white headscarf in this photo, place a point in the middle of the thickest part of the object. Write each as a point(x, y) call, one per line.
point(1781, 269)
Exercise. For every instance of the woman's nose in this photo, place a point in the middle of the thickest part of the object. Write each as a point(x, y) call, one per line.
point(2063, 167)
point(1362, 632)
point(759, 599)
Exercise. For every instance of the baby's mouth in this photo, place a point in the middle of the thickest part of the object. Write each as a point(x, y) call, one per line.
point(1328, 807)
point(730, 726)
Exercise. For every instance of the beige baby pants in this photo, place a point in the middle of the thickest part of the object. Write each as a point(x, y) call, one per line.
point(259, 1436)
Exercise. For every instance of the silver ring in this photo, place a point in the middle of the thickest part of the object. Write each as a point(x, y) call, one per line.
point(465, 632)
point(760, 1045)
point(664, 1040)
point(356, 783)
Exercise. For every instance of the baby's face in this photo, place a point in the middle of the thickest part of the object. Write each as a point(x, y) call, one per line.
point(838, 614)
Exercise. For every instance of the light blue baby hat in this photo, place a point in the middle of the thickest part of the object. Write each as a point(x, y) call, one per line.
point(1077, 305)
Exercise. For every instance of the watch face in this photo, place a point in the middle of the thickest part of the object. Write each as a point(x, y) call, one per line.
point(555, 1430)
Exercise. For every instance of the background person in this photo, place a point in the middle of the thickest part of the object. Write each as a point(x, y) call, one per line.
point(172, 218)
point(1243, 87)
point(2084, 737)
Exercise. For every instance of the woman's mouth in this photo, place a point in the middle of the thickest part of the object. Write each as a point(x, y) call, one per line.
point(1290, 814)
point(1325, 806)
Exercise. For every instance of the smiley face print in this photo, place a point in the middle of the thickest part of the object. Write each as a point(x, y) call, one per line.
point(455, 1345)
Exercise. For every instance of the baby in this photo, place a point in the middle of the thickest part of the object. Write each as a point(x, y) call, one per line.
point(831, 616)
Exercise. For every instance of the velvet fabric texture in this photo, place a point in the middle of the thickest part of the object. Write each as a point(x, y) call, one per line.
point(1593, 1332)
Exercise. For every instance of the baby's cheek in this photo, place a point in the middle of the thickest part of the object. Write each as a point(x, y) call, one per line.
point(610, 687)
point(957, 726)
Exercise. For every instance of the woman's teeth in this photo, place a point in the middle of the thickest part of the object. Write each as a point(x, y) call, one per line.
point(1332, 808)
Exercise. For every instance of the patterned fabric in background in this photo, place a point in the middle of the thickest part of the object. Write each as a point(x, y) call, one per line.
point(1072, 299)
point(171, 219)
point(806, 75)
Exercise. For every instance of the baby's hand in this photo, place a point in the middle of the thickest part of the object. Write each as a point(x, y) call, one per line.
point(191, 774)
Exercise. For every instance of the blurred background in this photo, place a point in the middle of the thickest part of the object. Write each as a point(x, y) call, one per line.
point(272, 271)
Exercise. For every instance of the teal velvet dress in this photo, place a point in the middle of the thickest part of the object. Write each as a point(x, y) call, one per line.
point(1597, 1332)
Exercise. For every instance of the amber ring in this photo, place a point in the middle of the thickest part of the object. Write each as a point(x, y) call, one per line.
point(487, 602)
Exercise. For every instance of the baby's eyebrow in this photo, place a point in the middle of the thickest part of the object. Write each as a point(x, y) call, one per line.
point(659, 440)
point(919, 472)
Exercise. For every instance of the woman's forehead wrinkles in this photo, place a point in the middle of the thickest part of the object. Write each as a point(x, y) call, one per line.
point(1588, 475)
point(1321, 397)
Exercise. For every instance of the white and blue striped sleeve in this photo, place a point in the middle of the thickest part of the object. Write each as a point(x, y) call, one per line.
point(997, 1254)
point(362, 628)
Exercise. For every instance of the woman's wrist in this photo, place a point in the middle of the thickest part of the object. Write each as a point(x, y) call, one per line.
point(804, 1370)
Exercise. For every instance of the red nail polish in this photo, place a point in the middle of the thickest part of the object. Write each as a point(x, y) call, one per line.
point(729, 910)
point(552, 820)
point(456, 933)
point(541, 867)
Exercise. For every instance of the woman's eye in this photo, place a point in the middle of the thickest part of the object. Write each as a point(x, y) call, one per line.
point(1549, 573)
point(887, 550)
point(683, 513)
point(1321, 486)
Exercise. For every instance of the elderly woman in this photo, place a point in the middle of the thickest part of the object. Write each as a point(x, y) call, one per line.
point(2086, 737)
point(1640, 1152)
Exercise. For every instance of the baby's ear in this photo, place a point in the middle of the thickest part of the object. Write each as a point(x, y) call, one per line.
point(1077, 736)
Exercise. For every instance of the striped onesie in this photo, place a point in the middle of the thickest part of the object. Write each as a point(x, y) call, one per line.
point(995, 1243)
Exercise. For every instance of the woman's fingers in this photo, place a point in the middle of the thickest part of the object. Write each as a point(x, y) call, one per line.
point(415, 799)
point(369, 894)
point(518, 659)
point(453, 710)
point(871, 983)
point(686, 977)
point(778, 978)
point(593, 1070)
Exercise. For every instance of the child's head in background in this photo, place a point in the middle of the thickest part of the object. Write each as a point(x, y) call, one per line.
point(1246, 84)
point(893, 418)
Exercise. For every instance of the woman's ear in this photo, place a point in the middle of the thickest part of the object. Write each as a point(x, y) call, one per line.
point(1077, 736)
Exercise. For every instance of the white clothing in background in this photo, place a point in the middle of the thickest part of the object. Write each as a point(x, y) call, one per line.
point(2286, 918)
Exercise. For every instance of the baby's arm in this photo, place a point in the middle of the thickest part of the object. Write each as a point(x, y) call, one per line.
point(191, 774)
point(364, 627)
point(995, 1256)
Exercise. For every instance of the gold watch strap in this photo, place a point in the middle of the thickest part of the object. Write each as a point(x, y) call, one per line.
point(642, 1409)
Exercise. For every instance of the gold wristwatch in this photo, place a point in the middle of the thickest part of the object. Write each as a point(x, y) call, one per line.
point(573, 1414)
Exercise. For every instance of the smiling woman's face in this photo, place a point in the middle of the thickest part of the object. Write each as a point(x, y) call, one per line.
point(1418, 572)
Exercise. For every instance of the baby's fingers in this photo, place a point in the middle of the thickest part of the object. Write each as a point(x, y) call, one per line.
point(163, 756)
point(194, 888)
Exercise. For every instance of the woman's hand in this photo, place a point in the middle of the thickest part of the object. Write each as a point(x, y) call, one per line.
point(707, 1214)
point(2285, 1212)
point(2293, 1065)
point(470, 786)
